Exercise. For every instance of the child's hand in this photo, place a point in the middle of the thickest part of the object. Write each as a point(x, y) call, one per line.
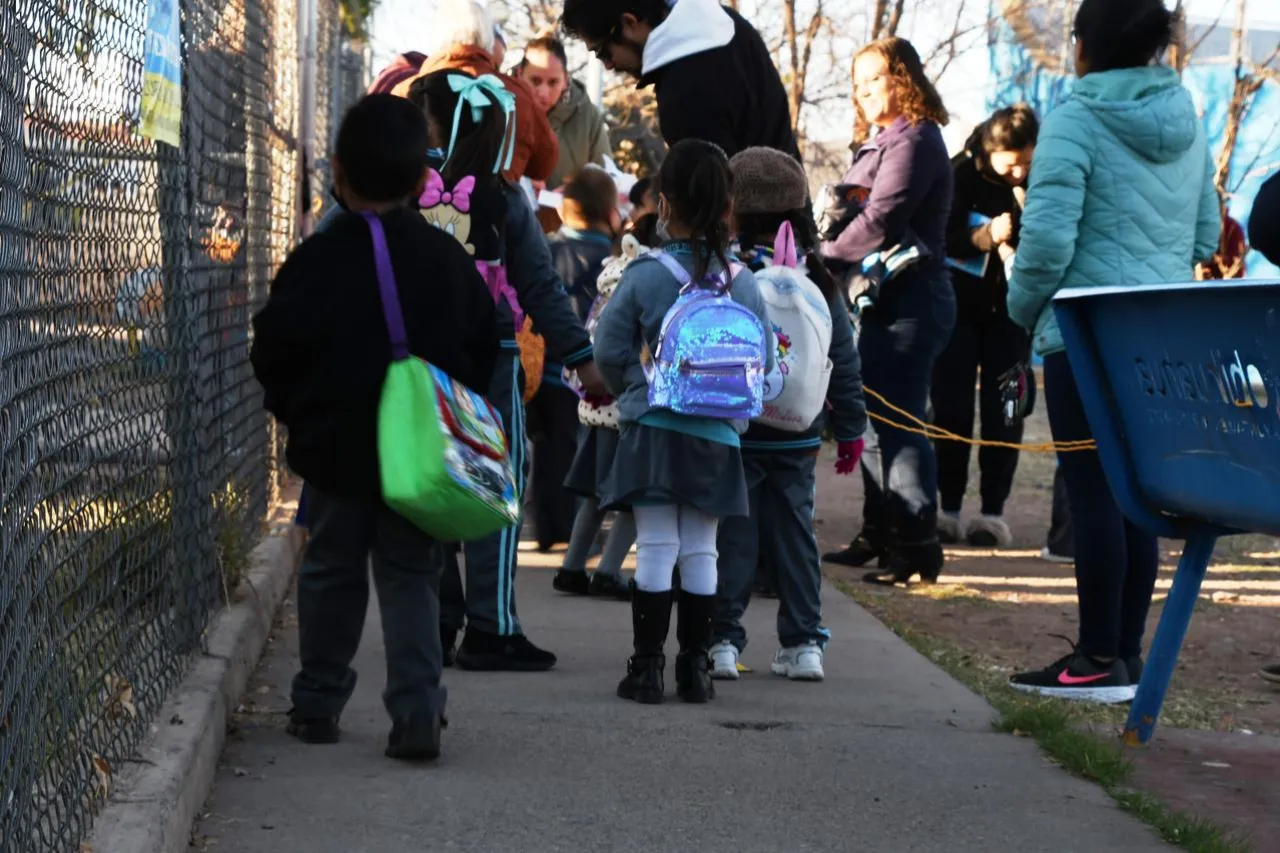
point(847, 455)
point(592, 383)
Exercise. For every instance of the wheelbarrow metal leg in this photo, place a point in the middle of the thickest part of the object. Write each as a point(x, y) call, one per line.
point(1170, 633)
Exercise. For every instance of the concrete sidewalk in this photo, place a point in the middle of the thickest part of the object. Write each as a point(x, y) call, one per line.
point(889, 754)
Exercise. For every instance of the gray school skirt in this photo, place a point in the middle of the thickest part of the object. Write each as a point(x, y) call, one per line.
point(652, 465)
point(592, 461)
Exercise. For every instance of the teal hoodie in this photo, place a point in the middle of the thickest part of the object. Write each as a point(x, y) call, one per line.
point(1121, 193)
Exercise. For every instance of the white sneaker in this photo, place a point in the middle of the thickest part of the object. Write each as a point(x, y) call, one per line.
point(800, 663)
point(724, 661)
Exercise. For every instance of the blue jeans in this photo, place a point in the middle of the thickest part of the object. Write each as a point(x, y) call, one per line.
point(898, 349)
point(1116, 562)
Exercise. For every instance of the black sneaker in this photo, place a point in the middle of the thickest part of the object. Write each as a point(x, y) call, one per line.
point(1134, 667)
point(609, 586)
point(573, 583)
point(415, 739)
point(483, 652)
point(449, 642)
point(314, 730)
point(1081, 678)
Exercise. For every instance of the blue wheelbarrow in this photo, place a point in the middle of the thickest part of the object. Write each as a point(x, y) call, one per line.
point(1181, 385)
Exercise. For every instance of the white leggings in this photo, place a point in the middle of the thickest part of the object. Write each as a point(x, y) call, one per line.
point(670, 535)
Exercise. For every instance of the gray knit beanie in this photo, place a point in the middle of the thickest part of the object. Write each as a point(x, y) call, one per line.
point(766, 180)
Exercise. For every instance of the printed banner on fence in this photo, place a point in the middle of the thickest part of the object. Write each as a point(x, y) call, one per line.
point(162, 75)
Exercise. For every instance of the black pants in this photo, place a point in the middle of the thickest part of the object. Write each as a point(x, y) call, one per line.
point(333, 597)
point(1116, 562)
point(1062, 538)
point(899, 470)
point(552, 422)
point(987, 346)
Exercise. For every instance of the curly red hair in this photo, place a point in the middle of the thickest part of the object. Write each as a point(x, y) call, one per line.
point(917, 97)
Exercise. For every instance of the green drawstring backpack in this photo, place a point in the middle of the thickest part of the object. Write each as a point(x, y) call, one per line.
point(442, 452)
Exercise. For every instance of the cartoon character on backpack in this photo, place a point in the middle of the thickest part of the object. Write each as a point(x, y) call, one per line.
point(709, 361)
point(449, 210)
point(796, 389)
point(474, 212)
point(603, 413)
point(776, 380)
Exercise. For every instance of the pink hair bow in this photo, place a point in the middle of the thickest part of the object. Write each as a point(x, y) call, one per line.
point(435, 193)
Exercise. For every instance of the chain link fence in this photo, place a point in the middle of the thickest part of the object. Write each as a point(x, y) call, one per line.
point(136, 462)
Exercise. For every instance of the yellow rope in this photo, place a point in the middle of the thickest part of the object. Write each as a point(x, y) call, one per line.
point(937, 433)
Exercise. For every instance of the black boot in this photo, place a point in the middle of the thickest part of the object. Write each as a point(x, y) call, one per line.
point(907, 560)
point(693, 629)
point(870, 545)
point(650, 621)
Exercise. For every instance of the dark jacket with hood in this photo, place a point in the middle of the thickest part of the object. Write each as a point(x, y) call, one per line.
point(978, 190)
point(321, 348)
point(714, 79)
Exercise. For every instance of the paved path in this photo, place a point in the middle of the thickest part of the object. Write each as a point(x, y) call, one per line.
point(889, 754)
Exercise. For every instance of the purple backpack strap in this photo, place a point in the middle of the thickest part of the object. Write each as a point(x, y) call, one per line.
point(673, 266)
point(685, 280)
point(387, 288)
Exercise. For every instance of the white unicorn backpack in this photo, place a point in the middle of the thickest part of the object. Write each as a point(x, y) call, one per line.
point(796, 390)
point(606, 414)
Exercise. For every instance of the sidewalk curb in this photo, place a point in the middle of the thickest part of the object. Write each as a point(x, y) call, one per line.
point(155, 801)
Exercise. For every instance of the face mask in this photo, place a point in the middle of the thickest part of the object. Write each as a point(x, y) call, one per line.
point(661, 228)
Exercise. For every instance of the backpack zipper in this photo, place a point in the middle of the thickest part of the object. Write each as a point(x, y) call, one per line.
point(687, 366)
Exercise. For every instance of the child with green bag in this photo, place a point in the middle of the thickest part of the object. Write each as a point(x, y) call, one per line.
point(322, 351)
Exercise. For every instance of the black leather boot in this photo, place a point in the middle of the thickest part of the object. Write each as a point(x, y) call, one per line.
point(693, 629)
point(907, 560)
point(870, 545)
point(650, 622)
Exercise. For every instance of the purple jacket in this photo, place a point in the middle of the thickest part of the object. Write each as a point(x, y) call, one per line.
point(907, 169)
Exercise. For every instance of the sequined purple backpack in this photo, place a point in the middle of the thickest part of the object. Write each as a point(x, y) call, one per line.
point(710, 357)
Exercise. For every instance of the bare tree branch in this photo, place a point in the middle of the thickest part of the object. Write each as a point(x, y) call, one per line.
point(895, 18)
point(878, 18)
point(1195, 48)
point(949, 49)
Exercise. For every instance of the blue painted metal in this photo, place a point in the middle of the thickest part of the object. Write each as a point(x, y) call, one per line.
point(1162, 657)
point(1181, 385)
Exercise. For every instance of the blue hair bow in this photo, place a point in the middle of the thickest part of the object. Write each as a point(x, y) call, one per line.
point(481, 93)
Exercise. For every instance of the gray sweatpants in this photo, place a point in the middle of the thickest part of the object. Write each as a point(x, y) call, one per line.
point(779, 537)
point(489, 602)
point(333, 597)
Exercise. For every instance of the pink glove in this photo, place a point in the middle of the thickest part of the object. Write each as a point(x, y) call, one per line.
point(847, 455)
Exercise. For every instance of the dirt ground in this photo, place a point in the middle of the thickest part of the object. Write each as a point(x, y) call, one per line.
point(1001, 607)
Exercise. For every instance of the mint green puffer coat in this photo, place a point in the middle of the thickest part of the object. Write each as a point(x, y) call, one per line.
point(1121, 193)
